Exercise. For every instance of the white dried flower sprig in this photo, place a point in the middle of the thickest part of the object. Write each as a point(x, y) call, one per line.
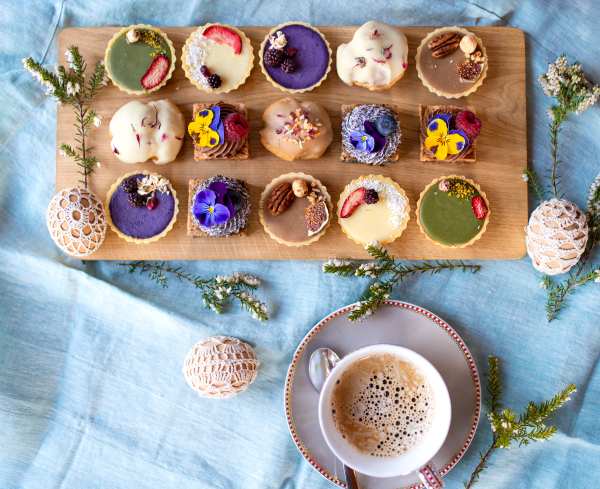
point(380, 291)
point(151, 183)
point(216, 292)
point(507, 427)
point(568, 85)
point(70, 87)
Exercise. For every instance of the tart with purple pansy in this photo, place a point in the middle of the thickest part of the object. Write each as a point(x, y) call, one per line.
point(452, 62)
point(449, 134)
point(218, 207)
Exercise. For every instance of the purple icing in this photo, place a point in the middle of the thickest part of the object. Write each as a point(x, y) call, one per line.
point(139, 222)
point(312, 58)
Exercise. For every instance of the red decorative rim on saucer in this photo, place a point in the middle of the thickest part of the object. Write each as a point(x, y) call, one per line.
point(396, 304)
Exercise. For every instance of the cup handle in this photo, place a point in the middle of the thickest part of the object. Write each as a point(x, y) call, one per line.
point(431, 477)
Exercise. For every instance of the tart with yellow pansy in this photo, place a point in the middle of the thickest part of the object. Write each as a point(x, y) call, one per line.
point(448, 133)
point(220, 131)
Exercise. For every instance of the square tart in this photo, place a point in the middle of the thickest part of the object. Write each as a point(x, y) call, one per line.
point(425, 113)
point(192, 228)
point(242, 154)
point(347, 109)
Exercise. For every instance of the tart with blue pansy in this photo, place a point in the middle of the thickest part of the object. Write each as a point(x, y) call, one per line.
point(218, 207)
point(370, 134)
point(449, 134)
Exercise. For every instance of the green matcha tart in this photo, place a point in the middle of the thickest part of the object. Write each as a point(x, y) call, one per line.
point(453, 211)
point(139, 59)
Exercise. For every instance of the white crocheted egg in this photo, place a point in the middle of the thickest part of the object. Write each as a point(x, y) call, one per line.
point(76, 221)
point(556, 236)
point(220, 367)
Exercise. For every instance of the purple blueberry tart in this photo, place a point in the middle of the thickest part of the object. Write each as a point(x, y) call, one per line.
point(141, 207)
point(295, 57)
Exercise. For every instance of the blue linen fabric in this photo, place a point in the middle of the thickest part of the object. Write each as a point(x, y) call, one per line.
point(91, 389)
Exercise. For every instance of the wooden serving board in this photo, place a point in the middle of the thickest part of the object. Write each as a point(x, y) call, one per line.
point(501, 152)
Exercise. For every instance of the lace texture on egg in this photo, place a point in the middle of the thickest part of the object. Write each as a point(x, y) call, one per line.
point(220, 367)
point(556, 236)
point(77, 221)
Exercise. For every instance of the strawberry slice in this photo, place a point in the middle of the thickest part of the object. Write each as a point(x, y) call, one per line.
point(156, 73)
point(479, 207)
point(352, 202)
point(223, 35)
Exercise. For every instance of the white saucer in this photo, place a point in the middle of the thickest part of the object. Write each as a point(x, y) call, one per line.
point(397, 323)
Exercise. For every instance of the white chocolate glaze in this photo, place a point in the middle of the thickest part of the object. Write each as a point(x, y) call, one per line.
point(135, 140)
point(305, 142)
point(366, 45)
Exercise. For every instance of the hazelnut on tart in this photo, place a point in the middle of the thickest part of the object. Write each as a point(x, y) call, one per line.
point(217, 58)
point(376, 58)
point(373, 208)
point(140, 59)
point(452, 62)
point(295, 209)
point(152, 131)
point(141, 207)
point(296, 130)
point(453, 211)
point(295, 57)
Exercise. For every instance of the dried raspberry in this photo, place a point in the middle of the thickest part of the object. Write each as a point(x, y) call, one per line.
point(470, 124)
point(273, 58)
point(136, 200)
point(129, 185)
point(205, 71)
point(290, 51)
point(479, 207)
point(236, 127)
point(288, 65)
point(152, 203)
point(371, 197)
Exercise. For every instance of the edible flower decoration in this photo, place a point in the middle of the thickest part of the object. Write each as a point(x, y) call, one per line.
point(279, 41)
point(369, 140)
point(207, 128)
point(213, 206)
point(441, 141)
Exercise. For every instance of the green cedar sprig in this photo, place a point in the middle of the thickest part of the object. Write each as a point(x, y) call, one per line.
point(70, 87)
point(507, 427)
point(380, 291)
point(558, 292)
point(216, 291)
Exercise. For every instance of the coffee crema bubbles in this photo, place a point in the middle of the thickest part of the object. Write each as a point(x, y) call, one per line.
point(382, 406)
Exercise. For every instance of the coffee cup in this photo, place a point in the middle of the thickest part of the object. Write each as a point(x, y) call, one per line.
point(388, 464)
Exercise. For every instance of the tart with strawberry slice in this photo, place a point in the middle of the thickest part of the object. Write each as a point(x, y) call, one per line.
point(217, 58)
point(453, 211)
point(139, 59)
point(373, 208)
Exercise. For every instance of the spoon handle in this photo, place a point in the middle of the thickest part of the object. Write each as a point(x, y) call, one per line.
point(351, 482)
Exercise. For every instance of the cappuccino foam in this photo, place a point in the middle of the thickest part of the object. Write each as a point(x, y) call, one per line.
point(382, 406)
